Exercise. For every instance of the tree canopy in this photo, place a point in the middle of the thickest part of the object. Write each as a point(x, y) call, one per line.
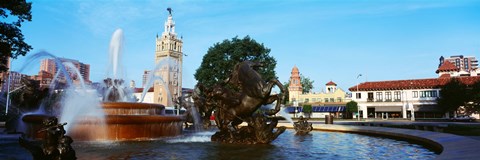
point(218, 63)
point(453, 95)
point(351, 107)
point(307, 84)
point(473, 98)
point(12, 42)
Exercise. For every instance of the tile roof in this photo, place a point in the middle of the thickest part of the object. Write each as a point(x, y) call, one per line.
point(411, 84)
point(140, 90)
point(447, 66)
point(331, 83)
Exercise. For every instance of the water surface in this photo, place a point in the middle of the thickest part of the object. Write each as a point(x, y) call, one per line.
point(317, 145)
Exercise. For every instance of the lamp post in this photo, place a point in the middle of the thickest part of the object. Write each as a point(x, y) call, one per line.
point(358, 107)
point(8, 88)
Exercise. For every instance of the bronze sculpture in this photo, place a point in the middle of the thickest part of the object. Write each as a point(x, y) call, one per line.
point(240, 102)
point(302, 127)
point(56, 145)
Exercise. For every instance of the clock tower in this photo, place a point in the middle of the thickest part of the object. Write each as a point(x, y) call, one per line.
point(295, 87)
point(168, 51)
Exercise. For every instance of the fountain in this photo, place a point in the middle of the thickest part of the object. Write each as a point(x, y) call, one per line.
point(116, 118)
point(124, 120)
point(302, 127)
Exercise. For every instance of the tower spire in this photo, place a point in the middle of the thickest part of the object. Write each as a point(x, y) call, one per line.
point(169, 24)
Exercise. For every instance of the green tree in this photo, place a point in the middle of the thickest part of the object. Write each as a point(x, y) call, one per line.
point(473, 104)
point(351, 107)
point(11, 38)
point(307, 110)
point(287, 96)
point(452, 95)
point(220, 59)
point(307, 84)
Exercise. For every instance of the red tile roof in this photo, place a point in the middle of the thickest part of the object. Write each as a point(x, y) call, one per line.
point(331, 83)
point(447, 66)
point(411, 84)
point(140, 90)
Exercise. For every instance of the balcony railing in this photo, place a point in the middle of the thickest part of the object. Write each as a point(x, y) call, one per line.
point(369, 99)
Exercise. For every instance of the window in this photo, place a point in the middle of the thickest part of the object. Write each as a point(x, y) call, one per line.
point(370, 97)
point(428, 94)
point(465, 64)
point(457, 63)
point(388, 96)
point(415, 94)
point(314, 99)
point(396, 96)
point(332, 100)
point(339, 99)
point(379, 96)
point(359, 95)
point(326, 99)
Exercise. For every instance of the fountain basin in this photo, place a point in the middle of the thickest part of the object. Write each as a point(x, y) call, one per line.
point(123, 121)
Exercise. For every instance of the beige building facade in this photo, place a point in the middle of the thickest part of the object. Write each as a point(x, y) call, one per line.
point(331, 94)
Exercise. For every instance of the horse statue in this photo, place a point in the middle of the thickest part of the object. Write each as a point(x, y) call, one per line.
point(235, 107)
point(250, 82)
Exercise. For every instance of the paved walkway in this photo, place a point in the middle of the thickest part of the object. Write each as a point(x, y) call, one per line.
point(451, 146)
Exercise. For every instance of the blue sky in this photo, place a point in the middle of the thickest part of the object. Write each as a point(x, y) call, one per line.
point(326, 40)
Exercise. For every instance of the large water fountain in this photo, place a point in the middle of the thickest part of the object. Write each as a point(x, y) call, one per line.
point(116, 117)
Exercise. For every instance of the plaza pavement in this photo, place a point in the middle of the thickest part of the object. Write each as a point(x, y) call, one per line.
point(450, 146)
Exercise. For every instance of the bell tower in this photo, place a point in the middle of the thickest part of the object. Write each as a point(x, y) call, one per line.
point(295, 87)
point(168, 52)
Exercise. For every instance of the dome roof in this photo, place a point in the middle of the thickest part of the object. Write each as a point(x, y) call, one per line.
point(294, 69)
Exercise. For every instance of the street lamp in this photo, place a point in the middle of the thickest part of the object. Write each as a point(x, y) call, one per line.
point(358, 107)
point(8, 88)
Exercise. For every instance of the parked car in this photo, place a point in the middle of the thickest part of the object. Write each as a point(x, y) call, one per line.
point(463, 118)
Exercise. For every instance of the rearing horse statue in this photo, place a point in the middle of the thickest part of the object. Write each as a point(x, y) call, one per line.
point(254, 92)
point(251, 83)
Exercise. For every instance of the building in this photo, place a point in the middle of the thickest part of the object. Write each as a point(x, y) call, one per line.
point(148, 98)
point(331, 101)
point(146, 73)
point(15, 81)
point(4, 76)
point(407, 99)
point(44, 78)
point(49, 66)
point(295, 88)
point(168, 51)
point(331, 93)
point(459, 66)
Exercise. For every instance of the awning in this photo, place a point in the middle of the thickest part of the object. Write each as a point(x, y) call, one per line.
point(318, 109)
point(388, 108)
point(427, 108)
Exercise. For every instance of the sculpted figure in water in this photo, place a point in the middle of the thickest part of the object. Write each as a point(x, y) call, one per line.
point(56, 145)
point(240, 102)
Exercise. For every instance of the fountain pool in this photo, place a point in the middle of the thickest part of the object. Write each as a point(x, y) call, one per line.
point(317, 145)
